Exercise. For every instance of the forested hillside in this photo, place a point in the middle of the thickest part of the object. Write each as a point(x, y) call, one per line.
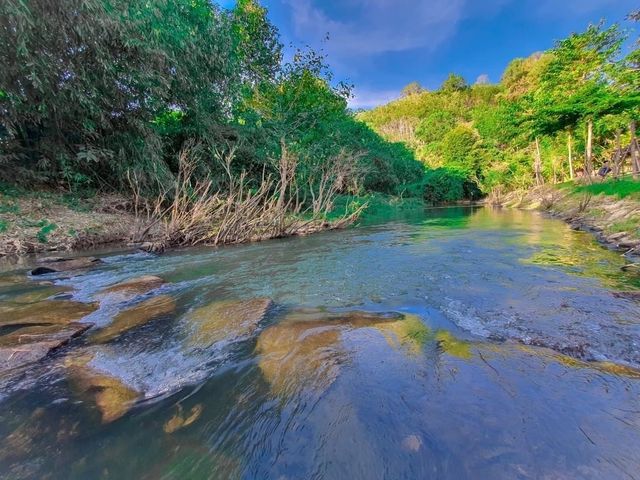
point(555, 115)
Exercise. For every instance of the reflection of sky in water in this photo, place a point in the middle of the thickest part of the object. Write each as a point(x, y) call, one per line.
point(454, 405)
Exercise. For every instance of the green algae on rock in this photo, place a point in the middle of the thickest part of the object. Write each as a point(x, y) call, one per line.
point(226, 319)
point(58, 312)
point(131, 288)
point(135, 316)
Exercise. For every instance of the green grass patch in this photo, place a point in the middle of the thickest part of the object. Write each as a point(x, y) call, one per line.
point(4, 226)
point(46, 229)
point(631, 225)
point(9, 207)
point(618, 188)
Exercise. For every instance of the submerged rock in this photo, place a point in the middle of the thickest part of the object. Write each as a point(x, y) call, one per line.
point(179, 420)
point(112, 397)
point(54, 265)
point(133, 287)
point(136, 316)
point(38, 294)
point(305, 349)
point(627, 295)
point(226, 320)
point(58, 312)
point(611, 368)
point(300, 355)
point(30, 344)
point(453, 346)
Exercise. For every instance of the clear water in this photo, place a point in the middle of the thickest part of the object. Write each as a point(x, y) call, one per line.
point(477, 394)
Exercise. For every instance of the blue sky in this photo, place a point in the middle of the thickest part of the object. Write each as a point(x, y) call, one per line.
point(382, 45)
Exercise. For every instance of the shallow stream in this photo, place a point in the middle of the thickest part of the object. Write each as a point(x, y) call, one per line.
point(451, 344)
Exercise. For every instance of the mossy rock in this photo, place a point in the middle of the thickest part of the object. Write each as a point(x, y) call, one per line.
point(112, 397)
point(305, 350)
point(226, 320)
point(57, 312)
point(131, 288)
point(136, 316)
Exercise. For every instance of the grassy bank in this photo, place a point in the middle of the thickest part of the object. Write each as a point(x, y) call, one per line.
point(51, 221)
point(40, 221)
point(610, 209)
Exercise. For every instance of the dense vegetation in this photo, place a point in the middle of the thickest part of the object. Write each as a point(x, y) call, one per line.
point(105, 94)
point(556, 115)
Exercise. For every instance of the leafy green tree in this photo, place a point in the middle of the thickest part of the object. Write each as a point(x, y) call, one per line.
point(454, 83)
point(414, 88)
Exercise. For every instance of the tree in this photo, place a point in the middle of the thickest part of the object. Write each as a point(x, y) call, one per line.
point(454, 83)
point(414, 88)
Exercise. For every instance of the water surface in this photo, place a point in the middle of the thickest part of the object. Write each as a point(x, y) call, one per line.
point(484, 344)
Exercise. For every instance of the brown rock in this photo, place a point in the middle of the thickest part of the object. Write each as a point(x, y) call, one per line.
point(112, 397)
point(179, 421)
point(227, 319)
point(133, 317)
point(412, 443)
point(30, 344)
point(57, 312)
point(300, 355)
point(53, 265)
point(305, 350)
point(133, 287)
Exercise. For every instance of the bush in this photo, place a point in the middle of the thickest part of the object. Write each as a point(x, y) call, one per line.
point(449, 185)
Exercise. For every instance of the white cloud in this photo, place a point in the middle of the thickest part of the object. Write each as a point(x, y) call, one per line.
point(378, 26)
point(365, 99)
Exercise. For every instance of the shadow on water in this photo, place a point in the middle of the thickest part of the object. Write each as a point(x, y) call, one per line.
point(460, 343)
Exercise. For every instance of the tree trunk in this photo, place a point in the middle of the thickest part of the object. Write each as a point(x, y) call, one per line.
point(588, 161)
point(617, 158)
point(570, 148)
point(635, 150)
point(538, 164)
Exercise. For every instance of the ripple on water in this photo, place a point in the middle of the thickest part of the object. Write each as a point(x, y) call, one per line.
point(344, 391)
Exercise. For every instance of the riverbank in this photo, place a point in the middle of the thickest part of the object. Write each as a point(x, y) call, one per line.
point(46, 221)
point(231, 344)
point(38, 222)
point(608, 210)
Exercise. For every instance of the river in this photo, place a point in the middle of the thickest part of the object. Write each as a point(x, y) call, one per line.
point(453, 343)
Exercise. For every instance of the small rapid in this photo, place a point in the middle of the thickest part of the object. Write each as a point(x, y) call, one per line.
point(453, 343)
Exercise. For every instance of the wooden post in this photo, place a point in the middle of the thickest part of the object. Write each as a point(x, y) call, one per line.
point(617, 157)
point(570, 148)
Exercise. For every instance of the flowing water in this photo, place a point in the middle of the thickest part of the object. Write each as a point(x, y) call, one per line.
point(456, 343)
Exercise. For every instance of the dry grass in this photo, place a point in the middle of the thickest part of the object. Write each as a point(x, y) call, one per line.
point(191, 213)
point(35, 224)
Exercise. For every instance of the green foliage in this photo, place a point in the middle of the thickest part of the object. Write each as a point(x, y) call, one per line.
point(444, 185)
point(459, 149)
point(454, 83)
point(489, 136)
point(414, 88)
point(46, 228)
point(4, 225)
point(97, 94)
point(619, 188)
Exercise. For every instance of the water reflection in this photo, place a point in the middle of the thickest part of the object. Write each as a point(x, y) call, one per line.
point(389, 351)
